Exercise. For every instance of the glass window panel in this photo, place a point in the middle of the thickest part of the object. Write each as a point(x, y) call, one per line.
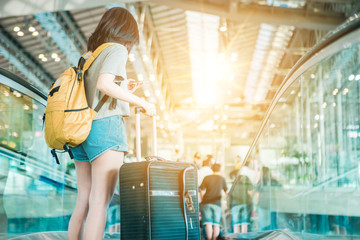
point(331, 103)
point(36, 194)
point(309, 150)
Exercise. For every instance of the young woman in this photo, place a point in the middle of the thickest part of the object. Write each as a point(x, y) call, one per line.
point(98, 159)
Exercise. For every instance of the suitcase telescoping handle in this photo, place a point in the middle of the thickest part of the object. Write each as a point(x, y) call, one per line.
point(138, 110)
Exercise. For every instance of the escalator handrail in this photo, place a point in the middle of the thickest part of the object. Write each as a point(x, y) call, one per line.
point(44, 168)
point(24, 83)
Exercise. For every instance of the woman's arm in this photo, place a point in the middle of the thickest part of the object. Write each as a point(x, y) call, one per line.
point(202, 193)
point(106, 85)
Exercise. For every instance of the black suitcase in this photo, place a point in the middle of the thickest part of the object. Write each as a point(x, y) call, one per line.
point(158, 198)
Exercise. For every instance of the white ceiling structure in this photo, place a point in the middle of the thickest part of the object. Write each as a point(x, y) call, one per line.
point(210, 66)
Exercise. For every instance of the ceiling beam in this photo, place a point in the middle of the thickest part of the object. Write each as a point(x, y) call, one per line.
point(15, 55)
point(27, 7)
point(249, 13)
point(255, 13)
point(74, 29)
point(66, 43)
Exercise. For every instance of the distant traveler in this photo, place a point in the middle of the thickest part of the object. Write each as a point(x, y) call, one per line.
point(178, 155)
point(4, 172)
point(240, 200)
point(205, 170)
point(197, 160)
point(253, 175)
point(263, 196)
point(210, 207)
point(237, 167)
point(99, 158)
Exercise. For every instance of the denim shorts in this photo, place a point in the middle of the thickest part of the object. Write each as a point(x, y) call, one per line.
point(210, 214)
point(105, 134)
point(240, 214)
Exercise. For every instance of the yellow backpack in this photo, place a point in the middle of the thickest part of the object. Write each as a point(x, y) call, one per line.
point(68, 117)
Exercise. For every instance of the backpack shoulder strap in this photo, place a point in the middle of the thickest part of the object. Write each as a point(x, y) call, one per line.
point(101, 103)
point(84, 65)
point(95, 54)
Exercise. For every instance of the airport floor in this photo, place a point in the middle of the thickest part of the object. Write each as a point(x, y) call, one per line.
point(58, 235)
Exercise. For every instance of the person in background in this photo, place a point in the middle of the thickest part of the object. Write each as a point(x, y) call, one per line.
point(237, 167)
point(205, 170)
point(213, 186)
point(99, 158)
point(178, 155)
point(197, 160)
point(339, 224)
point(240, 200)
point(4, 172)
point(212, 158)
point(263, 196)
point(248, 171)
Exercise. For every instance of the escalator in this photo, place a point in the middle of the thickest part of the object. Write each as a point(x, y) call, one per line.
point(37, 196)
point(307, 149)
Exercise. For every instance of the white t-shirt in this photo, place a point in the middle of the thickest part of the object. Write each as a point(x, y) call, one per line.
point(251, 174)
point(203, 172)
point(111, 60)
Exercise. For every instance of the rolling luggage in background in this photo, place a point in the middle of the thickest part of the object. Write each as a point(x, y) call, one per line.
point(158, 198)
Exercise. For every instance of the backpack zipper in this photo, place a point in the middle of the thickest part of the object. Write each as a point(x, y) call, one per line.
point(76, 110)
point(75, 69)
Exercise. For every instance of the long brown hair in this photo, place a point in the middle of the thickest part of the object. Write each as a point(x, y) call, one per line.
point(116, 25)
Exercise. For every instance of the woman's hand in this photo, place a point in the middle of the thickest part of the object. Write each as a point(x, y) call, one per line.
point(133, 85)
point(149, 108)
point(106, 85)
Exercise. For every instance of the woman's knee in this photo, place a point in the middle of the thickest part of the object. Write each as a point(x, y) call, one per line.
point(100, 198)
point(83, 200)
point(98, 202)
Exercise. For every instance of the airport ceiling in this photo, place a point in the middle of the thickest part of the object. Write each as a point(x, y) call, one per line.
point(211, 66)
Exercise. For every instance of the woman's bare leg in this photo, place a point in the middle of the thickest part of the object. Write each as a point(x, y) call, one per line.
point(105, 175)
point(77, 220)
point(209, 231)
point(216, 231)
point(244, 227)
